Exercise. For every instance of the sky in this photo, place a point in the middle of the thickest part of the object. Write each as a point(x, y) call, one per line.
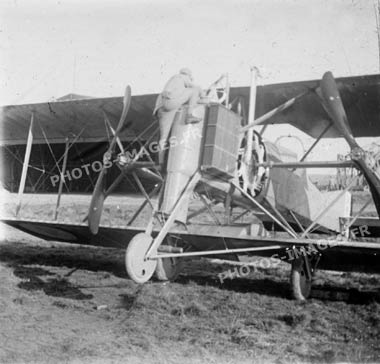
point(52, 48)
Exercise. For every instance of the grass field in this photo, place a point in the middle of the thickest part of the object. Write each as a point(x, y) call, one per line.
point(63, 303)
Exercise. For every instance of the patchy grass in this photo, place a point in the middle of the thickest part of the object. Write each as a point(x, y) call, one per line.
point(69, 303)
point(94, 313)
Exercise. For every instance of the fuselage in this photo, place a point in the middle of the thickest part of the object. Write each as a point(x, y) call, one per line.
point(214, 147)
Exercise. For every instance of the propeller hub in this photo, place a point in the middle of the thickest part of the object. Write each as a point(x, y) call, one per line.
point(107, 157)
point(357, 153)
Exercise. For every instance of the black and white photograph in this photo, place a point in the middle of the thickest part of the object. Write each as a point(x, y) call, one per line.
point(189, 182)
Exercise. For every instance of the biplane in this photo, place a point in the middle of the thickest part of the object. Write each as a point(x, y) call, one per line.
point(258, 196)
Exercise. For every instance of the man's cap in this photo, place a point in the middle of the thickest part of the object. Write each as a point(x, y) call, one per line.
point(186, 71)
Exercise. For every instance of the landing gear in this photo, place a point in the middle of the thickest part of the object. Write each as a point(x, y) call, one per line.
point(301, 276)
point(139, 269)
point(167, 269)
point(300, 280)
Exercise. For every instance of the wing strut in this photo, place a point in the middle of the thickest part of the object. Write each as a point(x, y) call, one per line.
point(274, 112)
point(324, 131)
point(142, 206)
point(61, 180)
point(330, 205)
point(25, 165)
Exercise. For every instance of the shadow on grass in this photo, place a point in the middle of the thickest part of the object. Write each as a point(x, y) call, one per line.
point(112, 260)
point(73, 256)
point(261, 286)
point(56, 287)
point(281, 289)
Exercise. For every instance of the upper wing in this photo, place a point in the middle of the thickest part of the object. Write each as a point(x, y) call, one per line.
point(360, 96)
point(84, 119)
point(81, 119)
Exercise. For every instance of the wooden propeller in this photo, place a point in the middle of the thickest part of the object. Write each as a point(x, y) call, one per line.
point(99, 194)
point(335, 108)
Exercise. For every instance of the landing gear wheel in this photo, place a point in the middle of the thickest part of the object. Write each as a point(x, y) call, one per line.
point(139, 269)
point(300, 284)
point(168, 269)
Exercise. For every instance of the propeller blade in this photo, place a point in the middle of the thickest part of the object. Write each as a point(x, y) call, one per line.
point(99, 194)
point(96, 205)
point(126, 104)
point(335, 108)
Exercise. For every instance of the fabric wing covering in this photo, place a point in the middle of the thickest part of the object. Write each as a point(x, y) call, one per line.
point(83, 118)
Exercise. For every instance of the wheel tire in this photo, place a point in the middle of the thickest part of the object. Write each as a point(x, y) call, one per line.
point(168, 269)
point(300, 285)
point(139, 269)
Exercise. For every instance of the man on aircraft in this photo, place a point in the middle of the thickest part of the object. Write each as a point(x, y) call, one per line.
point(178, 91)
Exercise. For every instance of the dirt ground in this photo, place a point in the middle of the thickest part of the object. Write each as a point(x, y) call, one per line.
point(63, 303)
